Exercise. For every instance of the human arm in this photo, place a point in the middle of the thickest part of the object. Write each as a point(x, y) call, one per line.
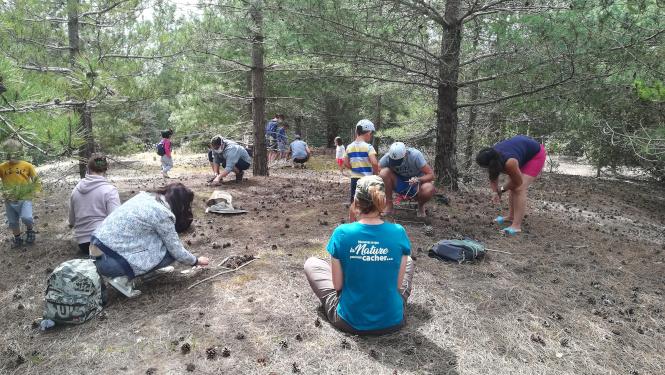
point(428, 175)
point(165, 227)
point(72, 215)
point(512, 169)
point(347, 161)
point(375, 164)
point(337, 274)
point(309, 152)
point(402, 271)
point(112, 201)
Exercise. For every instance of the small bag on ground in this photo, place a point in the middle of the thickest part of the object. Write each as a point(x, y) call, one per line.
point(73, 292)
point(458, 250)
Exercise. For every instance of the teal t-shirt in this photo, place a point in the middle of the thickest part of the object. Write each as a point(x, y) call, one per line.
point(370, 256)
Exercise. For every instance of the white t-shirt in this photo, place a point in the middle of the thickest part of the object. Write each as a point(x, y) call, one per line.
point(339, 154)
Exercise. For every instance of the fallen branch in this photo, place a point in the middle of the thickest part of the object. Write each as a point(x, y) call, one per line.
point(502, 252)
point(219, 274)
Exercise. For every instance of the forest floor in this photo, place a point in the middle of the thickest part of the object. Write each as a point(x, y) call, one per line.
point(582, 292)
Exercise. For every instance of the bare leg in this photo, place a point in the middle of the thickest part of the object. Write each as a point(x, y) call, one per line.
point(389, 179)
point(519, 201)
point(425, 194)
point(511, 200)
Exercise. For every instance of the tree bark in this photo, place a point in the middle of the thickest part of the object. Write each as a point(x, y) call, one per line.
point(475, 92)
point(445, 162)
point(260, 159)
point(83, 111)
point(298, 121)
point(73, 30)
point(331, 111)
point(88, 147)
point(378, 122)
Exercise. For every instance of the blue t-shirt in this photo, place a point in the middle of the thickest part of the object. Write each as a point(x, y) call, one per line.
point(370, 256)
point(271, 128)
point(298, 149)
point(519, 147)
point(411, 166)
point(281, 135)
point(232, 154)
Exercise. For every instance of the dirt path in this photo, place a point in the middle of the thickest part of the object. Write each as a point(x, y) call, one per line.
point(586, 296)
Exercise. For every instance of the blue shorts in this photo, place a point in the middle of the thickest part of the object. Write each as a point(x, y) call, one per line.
point(18, 210)
point(403, 187)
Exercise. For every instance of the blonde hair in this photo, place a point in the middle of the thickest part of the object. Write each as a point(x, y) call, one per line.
point(378, 203)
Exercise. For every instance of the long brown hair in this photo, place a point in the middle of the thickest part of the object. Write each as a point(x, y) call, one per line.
point(180, 198)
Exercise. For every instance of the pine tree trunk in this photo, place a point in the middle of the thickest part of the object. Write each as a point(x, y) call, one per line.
point(445, 163)
point(378, 122)
point(82, 111)
point(330, 112)
point(260, 159)
point(475, 93)
point(298, 120)
point(87, 148)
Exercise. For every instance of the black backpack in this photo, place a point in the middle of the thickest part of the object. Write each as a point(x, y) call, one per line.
point(161, 151)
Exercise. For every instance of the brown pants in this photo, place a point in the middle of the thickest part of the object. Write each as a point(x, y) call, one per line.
point(319, 275)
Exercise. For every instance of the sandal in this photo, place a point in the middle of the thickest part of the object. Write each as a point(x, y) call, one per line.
point(508, 231)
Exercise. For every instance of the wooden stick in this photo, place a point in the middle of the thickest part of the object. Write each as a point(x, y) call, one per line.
point(219, 274)
point(222, 262)
point(578, 246)
point(502, 252)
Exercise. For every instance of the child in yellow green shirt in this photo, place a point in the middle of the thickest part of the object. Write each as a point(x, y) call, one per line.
point(19, 184)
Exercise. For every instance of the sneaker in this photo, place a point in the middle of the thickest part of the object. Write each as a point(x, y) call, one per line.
point(165, 175)
point(17, 242)
point(123, 285)
point(239, 176)
point(29, 236)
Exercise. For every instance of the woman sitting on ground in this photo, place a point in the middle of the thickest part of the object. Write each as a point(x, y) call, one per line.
point(141, 236)
point(92, 200)
point(521, 158)
point(365, 288)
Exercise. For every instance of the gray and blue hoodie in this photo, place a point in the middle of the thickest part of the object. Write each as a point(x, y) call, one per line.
point(140, 233)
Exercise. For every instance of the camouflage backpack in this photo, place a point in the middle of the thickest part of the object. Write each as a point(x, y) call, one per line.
point(73, 292)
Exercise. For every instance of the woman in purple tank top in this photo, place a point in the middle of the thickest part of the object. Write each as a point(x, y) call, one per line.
point(522, 159)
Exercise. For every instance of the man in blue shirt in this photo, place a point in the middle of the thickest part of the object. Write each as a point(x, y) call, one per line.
point(271, 136)
point(282, 141)
point(299, 152)
point(405, 171)
point(236, 157)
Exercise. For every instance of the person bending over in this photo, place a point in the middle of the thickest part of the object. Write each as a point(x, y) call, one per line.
point(405, 171)
point(141, 236)
point(522, 159)
point(365, 287)
point(299, 151)
point(91, 201)
point(234, 155)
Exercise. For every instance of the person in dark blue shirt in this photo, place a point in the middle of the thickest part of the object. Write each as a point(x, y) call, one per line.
point(521, 158)
point(271, 136)
point(365, 287)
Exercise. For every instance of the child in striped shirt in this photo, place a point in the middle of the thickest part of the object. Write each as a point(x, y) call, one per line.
point(361, 158)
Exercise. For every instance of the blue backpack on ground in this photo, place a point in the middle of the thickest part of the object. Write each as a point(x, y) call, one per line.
point(460, 251)
point(161, 151)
